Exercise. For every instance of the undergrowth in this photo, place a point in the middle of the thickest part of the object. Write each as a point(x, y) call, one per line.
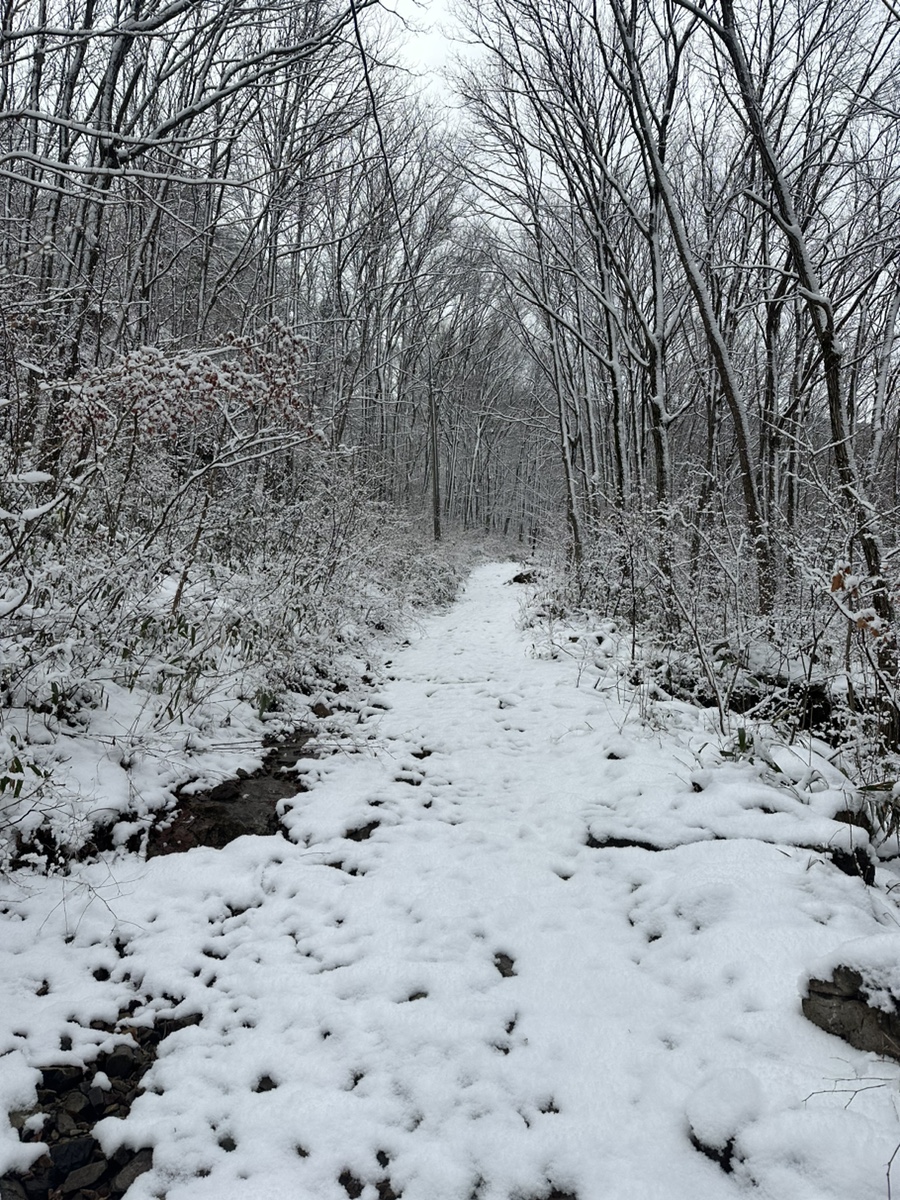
point(192, 567)
point(812, 668)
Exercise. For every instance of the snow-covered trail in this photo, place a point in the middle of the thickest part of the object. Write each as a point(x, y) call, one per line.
point(438, 989)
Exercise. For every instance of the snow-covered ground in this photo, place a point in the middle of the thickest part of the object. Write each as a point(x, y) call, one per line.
point(473, 998)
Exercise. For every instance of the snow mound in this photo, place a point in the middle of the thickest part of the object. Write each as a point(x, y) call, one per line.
point(722, 1105)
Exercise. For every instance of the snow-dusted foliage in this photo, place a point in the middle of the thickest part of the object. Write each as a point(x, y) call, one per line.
point(821, 660)
point(194, 556)
point(700, 248)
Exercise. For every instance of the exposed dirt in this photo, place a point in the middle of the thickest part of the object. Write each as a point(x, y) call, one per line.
point(246, 804)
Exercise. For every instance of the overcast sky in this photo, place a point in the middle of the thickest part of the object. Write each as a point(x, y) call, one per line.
point(427, 46)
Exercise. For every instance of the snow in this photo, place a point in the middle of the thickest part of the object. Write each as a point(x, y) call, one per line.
point(877, 961)
point(723, 1104)
point(33, 477)
point(480, 993)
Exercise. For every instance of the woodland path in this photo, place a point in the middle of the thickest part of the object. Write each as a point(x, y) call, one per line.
point(444, 986)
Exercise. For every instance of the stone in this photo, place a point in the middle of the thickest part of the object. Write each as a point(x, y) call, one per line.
point(141, 1162)
point(66, 1125)
point(363, 832)
point(845, 982)
point(11, 1189)
point(77, 1181)
point(351, 1185)
point(70, 1155)
point(122, 1062)
point(121, 1157)
point(76, 1104)
point(96, 1098)
point(839, 1007)
point(171, 1025)
point(61, 1079)
point(37, 1182)
point(505, 965)
point(230, 790)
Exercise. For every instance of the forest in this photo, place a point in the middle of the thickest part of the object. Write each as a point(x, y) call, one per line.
point(281, 334)
point(449, 586)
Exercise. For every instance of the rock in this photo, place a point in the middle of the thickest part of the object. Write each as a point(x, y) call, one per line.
point(37, 1187)
point(362, 833)
point(121, 1157)
point(169, 1025)
point(96, 1098)
point(61, 1079)
point(37, 1182)
point(351, 1185)
point(839, 1006)
point(70, 1155)
point(321, 710)
point(845, 982)
point(122, 1062)
point(66, 1124)
point(11, 1189)
point(229, 790)
point(76, 1104)
point(76, 1182)
point(141, 1162)
point(505, 965)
